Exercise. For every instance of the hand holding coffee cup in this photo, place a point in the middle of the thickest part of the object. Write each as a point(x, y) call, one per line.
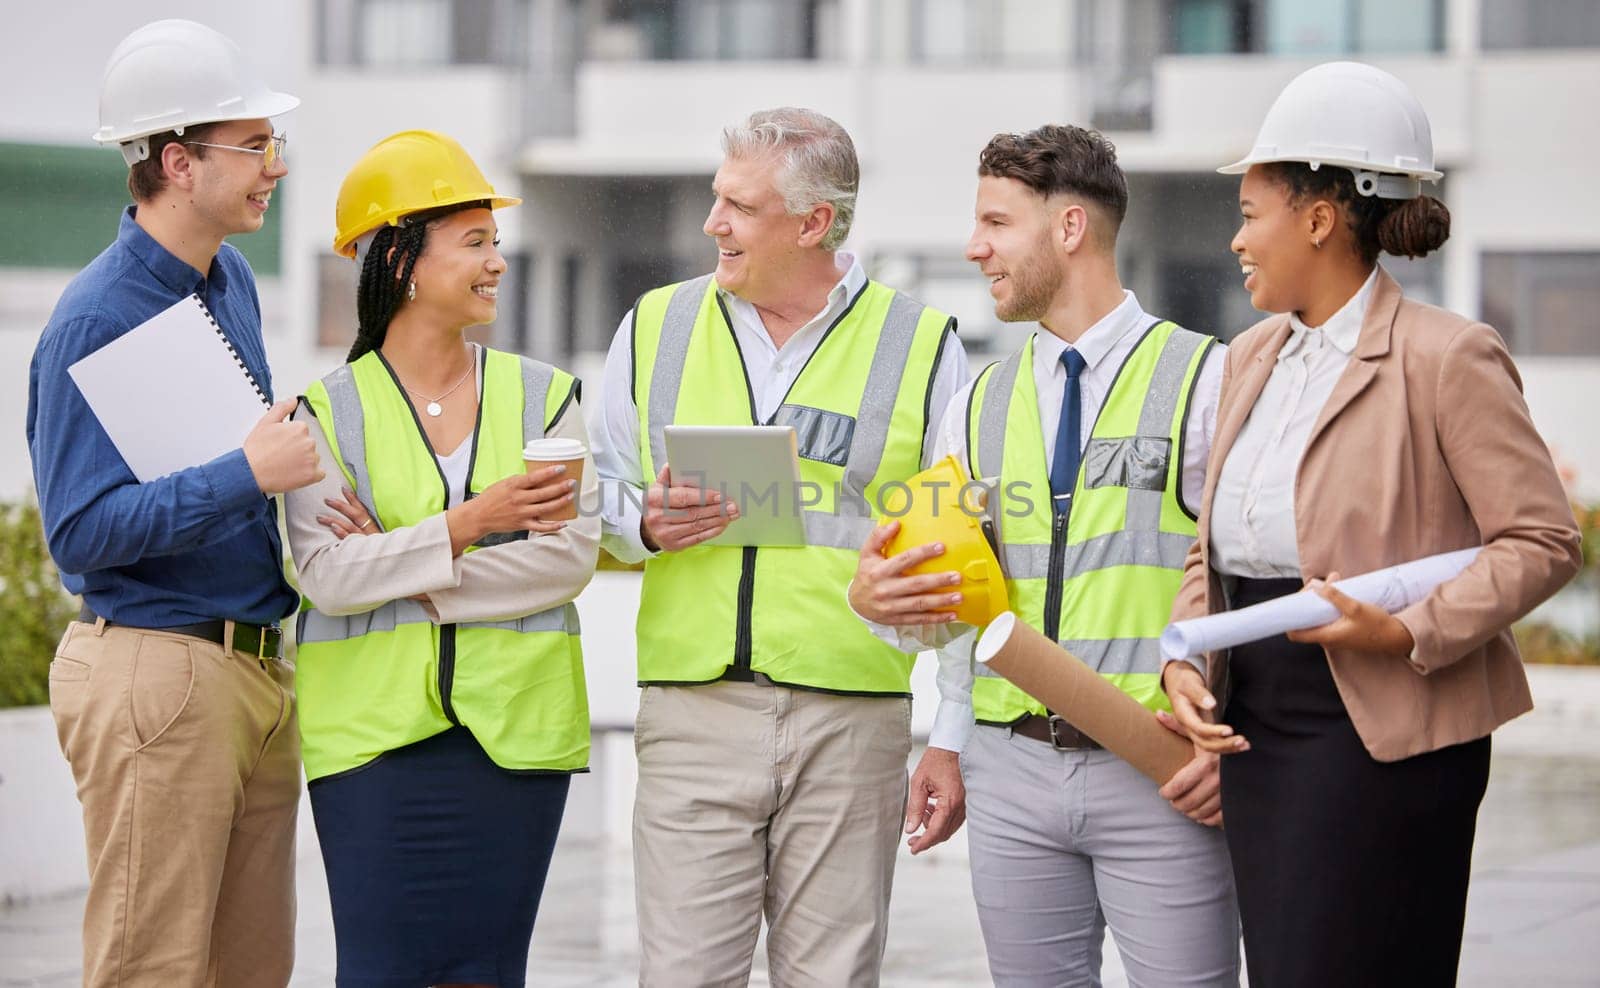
point(541, 454)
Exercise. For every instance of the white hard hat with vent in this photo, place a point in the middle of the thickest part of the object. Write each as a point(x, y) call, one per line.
point(1355, 116)
point(173, 74)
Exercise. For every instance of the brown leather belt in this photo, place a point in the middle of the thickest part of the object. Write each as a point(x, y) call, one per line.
point(252, 639)
point(1054, 731)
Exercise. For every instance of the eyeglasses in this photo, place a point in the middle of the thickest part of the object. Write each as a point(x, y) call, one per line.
point(270, 155)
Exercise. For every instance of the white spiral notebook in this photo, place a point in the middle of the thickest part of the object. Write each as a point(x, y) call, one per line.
point(172, 392)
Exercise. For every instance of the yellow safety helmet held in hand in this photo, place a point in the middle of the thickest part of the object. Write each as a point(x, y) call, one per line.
point(940, 505)
point(408, 172)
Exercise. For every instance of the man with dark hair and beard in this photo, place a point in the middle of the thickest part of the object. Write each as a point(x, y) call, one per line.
point(1097, 430)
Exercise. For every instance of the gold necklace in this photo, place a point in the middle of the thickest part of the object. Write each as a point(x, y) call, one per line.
point(433, 408)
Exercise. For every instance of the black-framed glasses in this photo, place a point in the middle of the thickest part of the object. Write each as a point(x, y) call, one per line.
point(270, 155)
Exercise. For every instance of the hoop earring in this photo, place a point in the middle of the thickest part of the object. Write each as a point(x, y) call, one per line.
point(1317, 244)
point(411, 290)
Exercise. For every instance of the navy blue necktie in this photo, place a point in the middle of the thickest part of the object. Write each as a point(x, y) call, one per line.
point(1069, 429)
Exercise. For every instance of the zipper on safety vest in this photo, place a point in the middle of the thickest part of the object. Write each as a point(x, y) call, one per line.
point(1055, 575)
point(747, 597)
point(447, 670)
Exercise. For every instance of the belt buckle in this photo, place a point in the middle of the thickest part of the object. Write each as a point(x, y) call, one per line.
point(271, 633)
point(1056, 722)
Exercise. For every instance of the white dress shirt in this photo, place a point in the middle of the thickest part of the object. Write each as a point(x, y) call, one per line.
point(1252, 513)
point(772, 371)
point(1105, 346)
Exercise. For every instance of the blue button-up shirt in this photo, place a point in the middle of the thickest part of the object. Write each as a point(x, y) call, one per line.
point(196, 545)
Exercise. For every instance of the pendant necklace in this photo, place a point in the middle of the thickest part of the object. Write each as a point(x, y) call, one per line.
point(433, 408)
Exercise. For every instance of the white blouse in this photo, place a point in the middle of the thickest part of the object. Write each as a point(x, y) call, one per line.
point(1252, 514)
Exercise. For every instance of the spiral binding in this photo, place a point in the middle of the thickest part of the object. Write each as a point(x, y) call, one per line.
point(231, 351)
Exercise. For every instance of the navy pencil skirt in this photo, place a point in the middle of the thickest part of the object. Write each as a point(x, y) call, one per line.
point(1349, 871)
point(436, 859)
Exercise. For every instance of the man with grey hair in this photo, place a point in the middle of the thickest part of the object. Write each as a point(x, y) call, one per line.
point(773, 728)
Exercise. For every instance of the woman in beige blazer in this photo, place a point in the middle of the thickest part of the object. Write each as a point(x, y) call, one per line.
point(1359, 429)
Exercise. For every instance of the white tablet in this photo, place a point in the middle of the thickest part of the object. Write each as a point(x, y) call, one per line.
point(755, 466)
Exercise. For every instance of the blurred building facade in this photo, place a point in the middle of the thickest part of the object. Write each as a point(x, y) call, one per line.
point(605, 116)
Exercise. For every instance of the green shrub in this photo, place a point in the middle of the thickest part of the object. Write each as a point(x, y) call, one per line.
point(1542, 643)
point(34, 610)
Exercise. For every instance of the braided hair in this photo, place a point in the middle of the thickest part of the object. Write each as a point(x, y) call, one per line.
point(384, 276)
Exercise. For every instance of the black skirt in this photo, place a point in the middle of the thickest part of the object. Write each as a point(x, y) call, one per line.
point(436, 859)
point(1350, 871)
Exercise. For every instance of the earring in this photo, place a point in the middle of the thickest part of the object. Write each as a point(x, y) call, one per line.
point(1315, 243)
point(411, 290)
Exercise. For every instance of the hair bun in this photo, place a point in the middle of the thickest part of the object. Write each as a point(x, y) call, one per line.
point(1415, 227)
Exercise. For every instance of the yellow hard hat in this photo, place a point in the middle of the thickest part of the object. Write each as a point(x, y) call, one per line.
point(938, 505)
point(406, 173)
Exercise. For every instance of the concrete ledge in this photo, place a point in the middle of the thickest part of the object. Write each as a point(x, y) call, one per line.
point(43, 853)
point(1565, 720)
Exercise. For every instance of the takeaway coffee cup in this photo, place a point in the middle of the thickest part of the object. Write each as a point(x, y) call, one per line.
point(541, 453)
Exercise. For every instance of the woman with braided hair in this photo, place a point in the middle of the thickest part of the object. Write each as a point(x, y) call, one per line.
point(439, 672)
point(1359, 429)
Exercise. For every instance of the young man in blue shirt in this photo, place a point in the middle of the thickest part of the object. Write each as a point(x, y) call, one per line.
point(170, 700)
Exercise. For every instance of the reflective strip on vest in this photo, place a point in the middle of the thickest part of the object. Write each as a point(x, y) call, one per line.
point(989, 458)
point(350, 432)
point(536, 380)
point(836, 531)
point(1146, 548)
point(866, 440)
point(672, 352)
point(1155, 419)
point(315, 626)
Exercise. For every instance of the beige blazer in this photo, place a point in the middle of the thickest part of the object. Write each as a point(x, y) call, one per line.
point(1425, 446)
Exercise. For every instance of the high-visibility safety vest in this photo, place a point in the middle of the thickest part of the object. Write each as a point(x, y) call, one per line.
point(860, 408)
point(1099, 579)
point(373, 682)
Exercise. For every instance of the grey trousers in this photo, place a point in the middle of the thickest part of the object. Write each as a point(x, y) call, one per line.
point(761, 800)
point(1064, 843)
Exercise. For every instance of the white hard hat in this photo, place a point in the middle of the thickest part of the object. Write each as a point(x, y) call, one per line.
point(1354, 116)
point(173, 74)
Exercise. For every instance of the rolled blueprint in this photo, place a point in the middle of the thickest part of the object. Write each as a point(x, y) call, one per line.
point(1083, 697)
point(1393, 588)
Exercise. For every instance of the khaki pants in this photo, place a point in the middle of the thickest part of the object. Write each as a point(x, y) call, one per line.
point(187, 763)
point(760, 800)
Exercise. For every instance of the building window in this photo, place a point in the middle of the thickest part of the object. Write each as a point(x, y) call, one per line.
point(1010, 32)
point(725, 30)
point(1296, 27)
point(1543, 302)
point(1210, 27)
point(1511, 24)
point(337, 278)
point(420, 32)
